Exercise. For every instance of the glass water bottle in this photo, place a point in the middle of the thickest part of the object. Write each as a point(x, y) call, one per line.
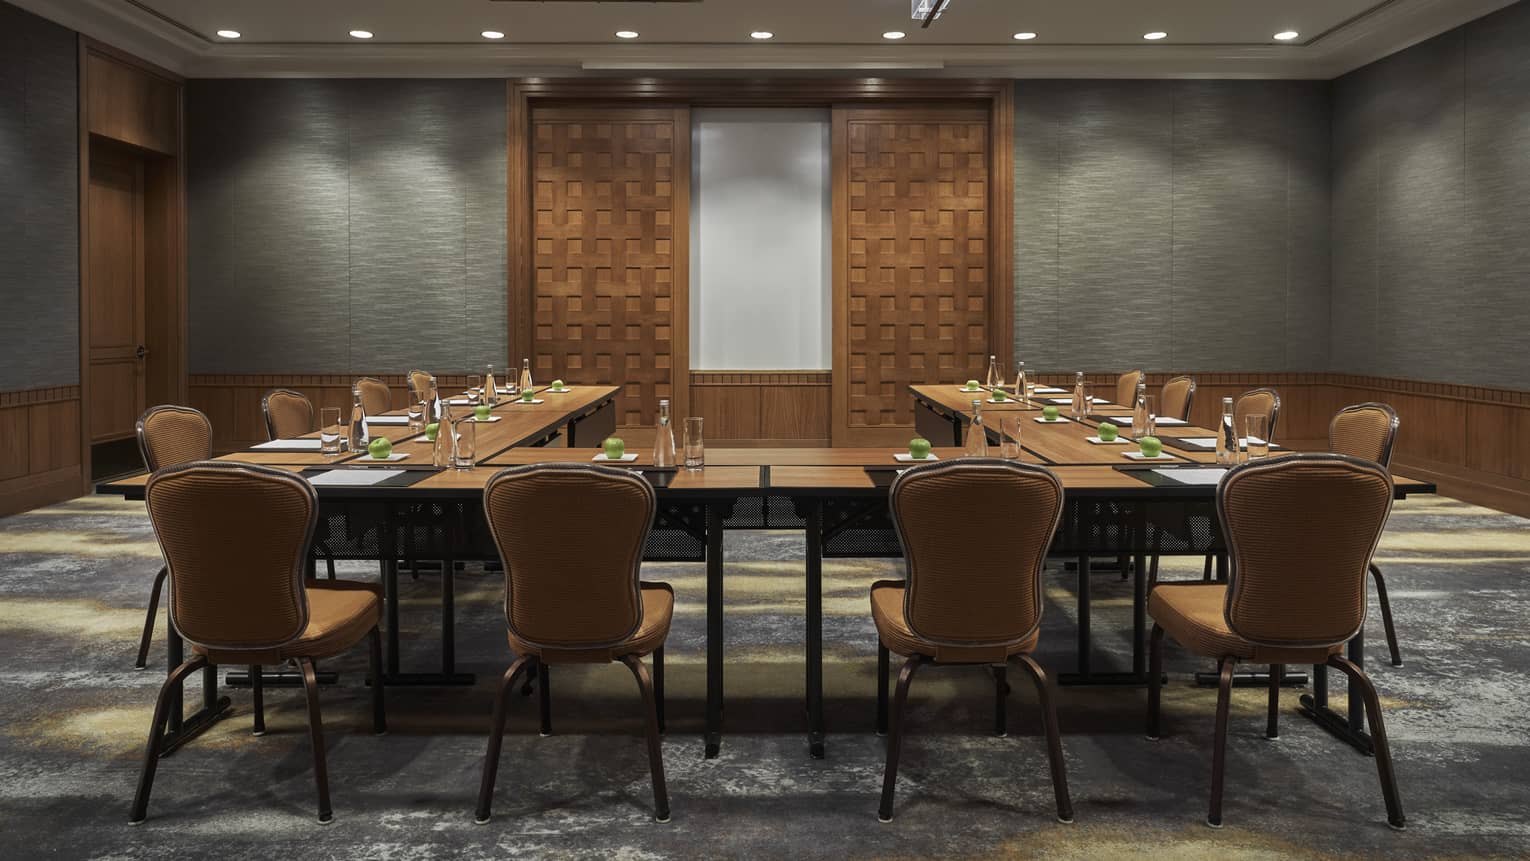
point(664, 438)
point(977, 435)
point(1080, 409)
point(1020, 381)
point(1140, 411)
point(441, 452)
point(994, 379)
point(526, 384)
point(432, 399)
point(490, 388)
point(357, 437)
point(1227, 436)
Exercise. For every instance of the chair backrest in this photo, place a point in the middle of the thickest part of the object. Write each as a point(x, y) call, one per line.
point(975, 533)
point(235, 538)
point(170, 436)
point(571, 538)
point(1257, 402)
point(419, 382)
point(1301, 530)
point(376, 397)
point(1366, 431)
point(288, 414)
point(1176, 398)
point(1126, 387)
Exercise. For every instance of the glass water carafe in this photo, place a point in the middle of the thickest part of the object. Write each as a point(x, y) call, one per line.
point(977, 434)
point(994, 380)
point(441, 453)
point(664, 438)
point(1021, 390)
point(490, 388)
point(1140, 411)
point(1227, 436)
point(356, 433)
point(1080, 408)
point(526, 384)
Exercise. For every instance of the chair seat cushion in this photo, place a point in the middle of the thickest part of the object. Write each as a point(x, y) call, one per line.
point(338, 618)
point(1192, 614)
point(897, 636)
point(658, 613)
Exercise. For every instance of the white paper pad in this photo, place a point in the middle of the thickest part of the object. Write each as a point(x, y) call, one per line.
point(1193, 476)
point(398, 455)
point(629, 457)
point(387, 420)
point(563, 391)
point(966, 391)
point(489, 419)
point(353, 477)
point(1205, 441)
point(1048, 390)
point(1137, 455)
point(1161, 420)
point(905, 457)
point(1062, 402)
point(1005, 401)
point(289, 445)
point(1057, 421)
point(460, 402)
point(1117, 441)
point(533, 401)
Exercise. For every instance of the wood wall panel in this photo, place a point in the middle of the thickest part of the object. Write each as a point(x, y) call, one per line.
point(763, 407)
point(129, 105)
point(916, 283)
point(610, 198)
point(39, 447)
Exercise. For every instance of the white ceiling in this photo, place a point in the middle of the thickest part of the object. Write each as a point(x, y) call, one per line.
point(1076, 38)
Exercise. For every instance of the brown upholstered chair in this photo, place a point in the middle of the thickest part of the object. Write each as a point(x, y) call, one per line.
point(288, 414)
point(1369, 431)
point(168, 436)
point(1253, 403)
point(570, 600)
point(962, 603)
point(1126, 387)
point(1301, 530)
point(419, 383)
point(238, 594)
point(1177, 397)
point(376, 397)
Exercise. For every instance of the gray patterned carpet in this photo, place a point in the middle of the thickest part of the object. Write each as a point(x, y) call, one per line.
point(73, 714)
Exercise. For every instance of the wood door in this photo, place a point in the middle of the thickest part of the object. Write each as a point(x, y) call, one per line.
point(116, 294)
point(912, 287)
point(611, 200)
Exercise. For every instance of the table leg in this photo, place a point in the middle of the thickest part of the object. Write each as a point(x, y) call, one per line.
point(448, 674)
point(1350, 728)
point(1085, 638)
point(1139, 614)
point(814, 528)
point(713, 737)
point(180, 728)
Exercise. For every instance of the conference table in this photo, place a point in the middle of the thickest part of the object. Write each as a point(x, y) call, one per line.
point(1113, 508)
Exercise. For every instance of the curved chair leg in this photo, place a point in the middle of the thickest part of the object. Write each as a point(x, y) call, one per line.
point(895, 737)
point(1054, 738)
point(258, 700)
point(153, 614)
point(1153, 572)
point(655, 749)
point(658, 686)
point(882, 669)
point(374, 669)
point(167, 691)
point(496, 733)
point(1219, 745)
point(1000, 694)
point(1272, 721)
point(544, 694)
point(1155, 681)
point(1358, 677)
point(316, 736)
point(1386, 614)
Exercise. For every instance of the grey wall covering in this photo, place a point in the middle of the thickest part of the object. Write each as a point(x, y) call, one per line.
point(39, 203)
point(346, 226)
point(1432, 209)
point(1175, 225)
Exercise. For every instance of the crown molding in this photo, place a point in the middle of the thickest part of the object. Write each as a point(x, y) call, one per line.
point(1396, 26)
point(122, 26)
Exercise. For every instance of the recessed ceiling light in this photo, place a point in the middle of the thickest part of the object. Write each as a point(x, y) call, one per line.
point(893, 34)
point(1287, 35)
point(361, 34)
point(626, 34)
point(492, 34)
point(228, 34)
point(1155, 35)
point(1025, 37)
point(761, 34)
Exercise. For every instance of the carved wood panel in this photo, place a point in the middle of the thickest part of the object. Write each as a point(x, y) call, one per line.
point(610, 196)
point(916, 277)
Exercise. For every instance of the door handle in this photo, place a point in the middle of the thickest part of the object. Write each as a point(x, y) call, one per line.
point(141, 352)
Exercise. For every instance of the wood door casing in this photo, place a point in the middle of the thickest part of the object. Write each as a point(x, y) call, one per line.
point(913, 291)
point(115, 327)
point(610, 193)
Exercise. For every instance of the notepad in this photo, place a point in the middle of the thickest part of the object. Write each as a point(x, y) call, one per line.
point(289, 445)
point(1193, 476)
point(1049, 390)
point(1163, 421)
point(354, 477)
point(1061, 402)
point(905, 457)
point(387, 420)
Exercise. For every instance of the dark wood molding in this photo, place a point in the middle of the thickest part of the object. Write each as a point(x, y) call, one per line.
point(47, 395)
point(121, 56)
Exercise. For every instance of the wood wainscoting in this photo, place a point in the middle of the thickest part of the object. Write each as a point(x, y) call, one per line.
point(39, 447)
point(763, 408)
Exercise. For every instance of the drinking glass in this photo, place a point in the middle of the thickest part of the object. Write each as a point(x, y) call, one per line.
point(463, 442)
point(330, 432)
point(417, 416)
point(1257, 430)
point(475, 388)
point(1150, 427)
point(695, 450)
point(1009, 436)
point(1088, 399)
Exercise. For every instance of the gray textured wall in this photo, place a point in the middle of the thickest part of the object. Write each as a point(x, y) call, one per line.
point(1175, 225)
point(346, 226)
point(39, 203)
point(1432, 209)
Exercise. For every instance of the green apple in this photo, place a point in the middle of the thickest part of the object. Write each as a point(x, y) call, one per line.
point(1049, 412)
point(380, 448)
point(482, 411)
point(1108, 431)
point(558, 386)
point(614, 447)
point(528, 396)
point(431, 430)
point(1000, 395)
point(918, 448)
point(972, 385)
point(1152, 446)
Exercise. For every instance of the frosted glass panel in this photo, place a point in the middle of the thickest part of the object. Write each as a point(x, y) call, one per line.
point(760, 236)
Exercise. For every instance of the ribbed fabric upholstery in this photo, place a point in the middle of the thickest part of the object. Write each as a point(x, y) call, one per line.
point(376, 398)
point(289, 414)
point(1176, 398)
point(571, 538)
point(1126, 387)
point(171, 436)
point(1366, 431)
point(1194, 614)
point(975, 534)
point(419, 381)
point(887, 602)
point(337, 620)
point(1257, 402)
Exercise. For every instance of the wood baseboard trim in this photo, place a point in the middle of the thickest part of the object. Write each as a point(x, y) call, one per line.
point(1499, 492)
point(44, 488)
